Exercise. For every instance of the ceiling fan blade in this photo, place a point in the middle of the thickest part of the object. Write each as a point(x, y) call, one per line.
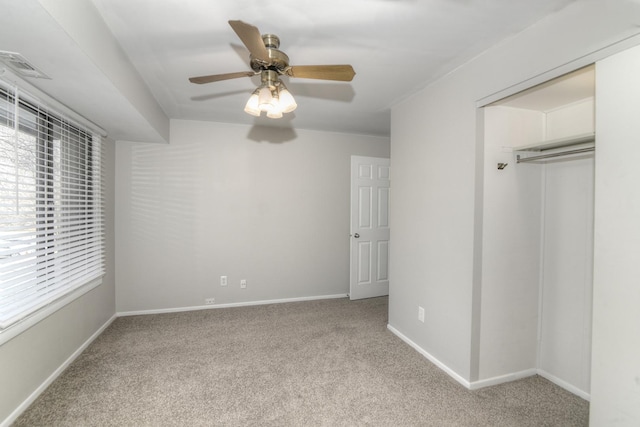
point(342, 73)
point(217, 77)
point(252, 39)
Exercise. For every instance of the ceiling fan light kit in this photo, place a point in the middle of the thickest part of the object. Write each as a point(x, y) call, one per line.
point(272, 95)
point(253, 104)
point(287, 102)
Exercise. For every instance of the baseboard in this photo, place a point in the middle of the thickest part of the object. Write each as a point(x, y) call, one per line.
point(565, 385)
point(453, 374)
point(475, 385)
point(528, 373)
point(228, 305)
point(33, 396)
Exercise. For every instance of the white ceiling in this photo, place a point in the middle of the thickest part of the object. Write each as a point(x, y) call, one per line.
point(395, 47)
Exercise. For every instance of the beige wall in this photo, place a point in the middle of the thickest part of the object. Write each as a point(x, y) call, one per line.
point(263, 204)
point(29, 359)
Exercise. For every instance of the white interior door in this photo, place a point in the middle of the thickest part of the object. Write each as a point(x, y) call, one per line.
point(369, 227)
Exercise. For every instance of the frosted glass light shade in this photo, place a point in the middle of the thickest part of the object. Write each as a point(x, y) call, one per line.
point(252, 107)
point(265, 100)
point(272, 100)
point(276, 110)
point(275, 113)
point(287, 103)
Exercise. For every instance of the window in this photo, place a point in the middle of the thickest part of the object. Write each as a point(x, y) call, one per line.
point(51, 212)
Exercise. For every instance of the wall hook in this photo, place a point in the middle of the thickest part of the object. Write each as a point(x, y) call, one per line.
point(502, 165)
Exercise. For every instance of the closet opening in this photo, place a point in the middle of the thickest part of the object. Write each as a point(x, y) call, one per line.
point(537, 233)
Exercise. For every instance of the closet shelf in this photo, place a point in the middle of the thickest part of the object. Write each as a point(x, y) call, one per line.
point(555, 148)
point(558, 143)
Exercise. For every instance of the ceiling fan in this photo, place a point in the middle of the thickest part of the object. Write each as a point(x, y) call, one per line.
point(270, 63)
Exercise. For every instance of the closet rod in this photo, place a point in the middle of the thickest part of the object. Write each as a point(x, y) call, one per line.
point(550, 155)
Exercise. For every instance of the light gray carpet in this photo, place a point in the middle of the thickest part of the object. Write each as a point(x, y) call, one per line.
point(329, 363)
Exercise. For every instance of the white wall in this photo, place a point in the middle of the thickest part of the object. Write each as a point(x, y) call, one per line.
point(434, 149)
point(511, 244)
point(615, 374)
point(29, 359)
point(567, 282)
point(432, 206)
point(222, 200)
point(571, 120)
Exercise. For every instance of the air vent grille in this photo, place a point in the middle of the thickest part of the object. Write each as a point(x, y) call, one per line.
point(20, 65)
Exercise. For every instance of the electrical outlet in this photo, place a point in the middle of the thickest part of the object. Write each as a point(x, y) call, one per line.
point(209, 300)
point(421, 314)
point(243, 283)
point(223, 280)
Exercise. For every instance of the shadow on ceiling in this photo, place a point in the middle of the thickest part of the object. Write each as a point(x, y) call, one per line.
point(272, 134)
point(342, 92)
point(242, 53)
point(219, 95)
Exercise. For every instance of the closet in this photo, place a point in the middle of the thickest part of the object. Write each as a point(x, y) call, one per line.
point(537, 233)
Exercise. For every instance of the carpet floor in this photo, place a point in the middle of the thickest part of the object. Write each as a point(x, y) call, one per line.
point(316, 363)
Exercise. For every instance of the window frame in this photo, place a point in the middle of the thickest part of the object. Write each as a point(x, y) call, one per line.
point(92, 195)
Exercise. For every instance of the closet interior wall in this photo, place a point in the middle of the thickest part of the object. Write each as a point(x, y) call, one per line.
point(537, 245)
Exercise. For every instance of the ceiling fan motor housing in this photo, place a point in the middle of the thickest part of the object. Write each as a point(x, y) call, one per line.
point(278, 60)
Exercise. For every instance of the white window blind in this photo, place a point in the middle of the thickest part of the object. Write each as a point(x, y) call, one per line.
point(51, 207)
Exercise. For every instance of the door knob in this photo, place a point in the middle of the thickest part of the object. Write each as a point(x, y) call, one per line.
point(356, 235)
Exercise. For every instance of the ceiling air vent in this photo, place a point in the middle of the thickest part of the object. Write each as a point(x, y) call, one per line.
point(20, 65)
